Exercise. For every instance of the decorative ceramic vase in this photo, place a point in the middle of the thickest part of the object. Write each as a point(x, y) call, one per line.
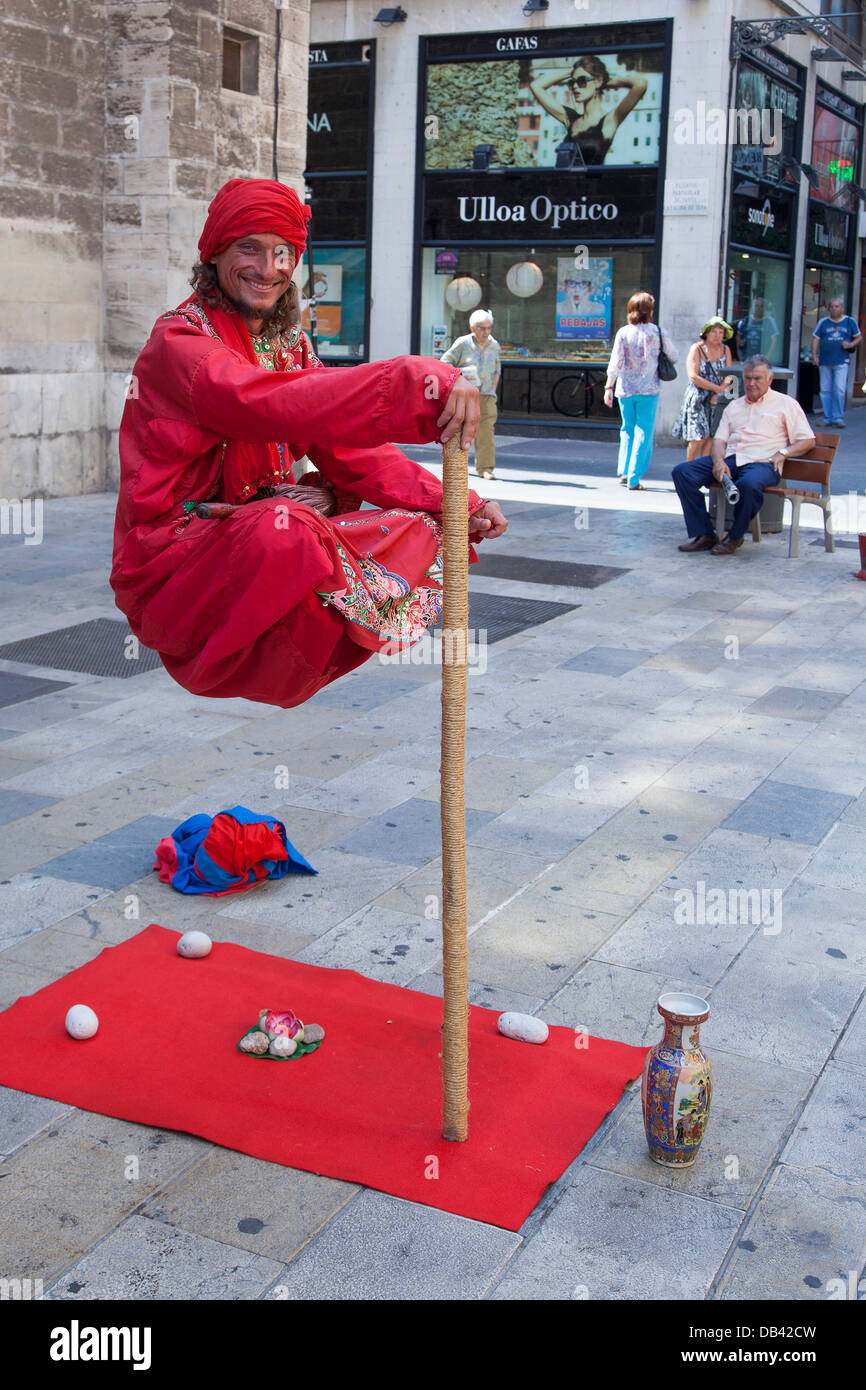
point(677, 1083)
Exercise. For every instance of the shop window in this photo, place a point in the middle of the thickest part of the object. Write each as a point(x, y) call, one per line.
point(240, 62)
point(339, 282)
point(756, 305)
point(820, 286)
point(569, 315)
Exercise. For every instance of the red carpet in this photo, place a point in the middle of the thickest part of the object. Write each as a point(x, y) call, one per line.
point(364, 1107)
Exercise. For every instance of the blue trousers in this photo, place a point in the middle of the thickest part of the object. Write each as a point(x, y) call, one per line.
point(636, 436)
point(751, 480)
point(834, 389)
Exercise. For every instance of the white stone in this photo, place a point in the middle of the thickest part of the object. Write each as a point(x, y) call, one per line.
point(81, 1022)
point(523, 1028)
point(194, 944)
point(282, 1046)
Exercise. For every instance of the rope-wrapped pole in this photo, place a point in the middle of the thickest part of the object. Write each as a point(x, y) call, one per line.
point(455, 635)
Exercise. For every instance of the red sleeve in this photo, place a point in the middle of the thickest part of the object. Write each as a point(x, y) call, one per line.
point(342, 406)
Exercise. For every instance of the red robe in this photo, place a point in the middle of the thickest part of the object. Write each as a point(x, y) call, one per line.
point(275, 601)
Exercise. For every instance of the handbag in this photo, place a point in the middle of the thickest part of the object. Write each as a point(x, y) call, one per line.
point(666, 369)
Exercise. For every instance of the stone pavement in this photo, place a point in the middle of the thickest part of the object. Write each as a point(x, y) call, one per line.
point(687, 721)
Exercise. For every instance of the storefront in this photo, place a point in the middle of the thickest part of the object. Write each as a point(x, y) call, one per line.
point(831, 238)
point(339, 178)
point(540, 173)
point(764, 201)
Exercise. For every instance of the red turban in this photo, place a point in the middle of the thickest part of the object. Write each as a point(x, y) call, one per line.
point(244, 206)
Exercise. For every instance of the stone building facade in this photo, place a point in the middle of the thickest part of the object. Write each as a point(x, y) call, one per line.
point(116, 130)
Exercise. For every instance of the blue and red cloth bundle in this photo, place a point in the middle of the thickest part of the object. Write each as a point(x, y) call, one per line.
point(227, 853)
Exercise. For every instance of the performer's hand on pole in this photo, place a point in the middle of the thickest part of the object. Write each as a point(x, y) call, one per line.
point(462, 413)
point(487, 523)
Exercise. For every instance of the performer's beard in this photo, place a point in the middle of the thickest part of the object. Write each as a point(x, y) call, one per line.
point(252, 311)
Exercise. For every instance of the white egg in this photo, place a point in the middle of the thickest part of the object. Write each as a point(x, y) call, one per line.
point(194, 944)
point(81, 1022)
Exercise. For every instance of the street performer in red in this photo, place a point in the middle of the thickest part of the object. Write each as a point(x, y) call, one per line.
point(293, 585)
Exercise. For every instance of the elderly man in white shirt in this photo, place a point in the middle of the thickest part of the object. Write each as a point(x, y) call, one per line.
point(756, 434)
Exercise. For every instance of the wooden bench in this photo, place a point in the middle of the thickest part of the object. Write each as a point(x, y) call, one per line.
point(813, 467)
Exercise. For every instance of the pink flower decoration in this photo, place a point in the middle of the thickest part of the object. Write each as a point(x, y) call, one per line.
point(279, 1023)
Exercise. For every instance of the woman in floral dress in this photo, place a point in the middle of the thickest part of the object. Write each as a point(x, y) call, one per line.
point(706, 367)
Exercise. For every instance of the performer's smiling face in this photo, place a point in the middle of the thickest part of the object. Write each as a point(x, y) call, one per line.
point(255, 272)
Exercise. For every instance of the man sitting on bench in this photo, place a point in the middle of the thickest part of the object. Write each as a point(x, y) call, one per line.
point(756, 434)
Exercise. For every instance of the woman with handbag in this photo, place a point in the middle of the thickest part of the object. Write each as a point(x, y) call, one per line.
point(642, 355)
point(706, 366)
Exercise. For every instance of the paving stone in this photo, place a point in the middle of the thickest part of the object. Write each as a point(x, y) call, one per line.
point(15, 688)
point(607, 775)
point(823, 926)
point(796, 702)
point(840, 862)
point(378, 942)
point(16, 980)
point(380, 1248)
point(364, 692)
point(609, 878)
point(752, 1109)
point(852, 1049)
point(244, 1202)
point(54, 951)
point(14, 805)
point(608, 661)
point(831, 1132)
point(67, 1188)
point(146, 1260)
point(610, 1001)
point(29, 902)
point(729, 859)
point(788, 812)
point(617, 1238)
point(494, 783)
point(809, 1228)
point(304, 904)
point(491, 880)
point(663, 819)
point(408, 834)
point(538, 940)
point(653, 937)
point(23, 1116)
point(113, 860)
point(784, 1009)
point(367, 790)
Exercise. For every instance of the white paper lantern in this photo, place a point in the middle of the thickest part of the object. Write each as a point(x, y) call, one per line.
point(464, 293)
point(524, 278)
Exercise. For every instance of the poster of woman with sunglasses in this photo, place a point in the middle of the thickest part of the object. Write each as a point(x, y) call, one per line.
point(586, 98)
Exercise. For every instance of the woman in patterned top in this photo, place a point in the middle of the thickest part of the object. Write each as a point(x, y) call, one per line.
point(633, 369)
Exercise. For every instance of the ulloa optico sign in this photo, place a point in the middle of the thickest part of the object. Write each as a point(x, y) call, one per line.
point(541, 209)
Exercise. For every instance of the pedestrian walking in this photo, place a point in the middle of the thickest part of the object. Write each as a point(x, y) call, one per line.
point(706, 367)
point(633, 370)
point(477, 355)
point(836, 335)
